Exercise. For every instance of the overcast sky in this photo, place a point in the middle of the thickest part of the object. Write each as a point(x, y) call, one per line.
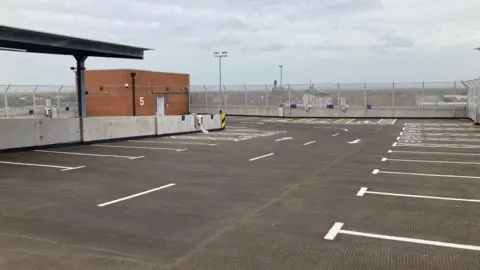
point(318, 40)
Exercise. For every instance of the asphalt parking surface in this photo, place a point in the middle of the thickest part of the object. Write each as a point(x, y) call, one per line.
point(259, 195)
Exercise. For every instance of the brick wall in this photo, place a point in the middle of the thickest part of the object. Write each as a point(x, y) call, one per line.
point(108, 96)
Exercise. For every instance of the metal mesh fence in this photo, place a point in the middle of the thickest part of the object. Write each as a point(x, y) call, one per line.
point(360, 95)
point(30, 101)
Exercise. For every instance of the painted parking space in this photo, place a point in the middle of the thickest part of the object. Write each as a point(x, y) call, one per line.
point(341, 121)
point(268, 187)
point(427, 166)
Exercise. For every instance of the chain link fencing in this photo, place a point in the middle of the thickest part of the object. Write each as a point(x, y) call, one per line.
point(317, 98)
point(473, 105)
point(32, 101)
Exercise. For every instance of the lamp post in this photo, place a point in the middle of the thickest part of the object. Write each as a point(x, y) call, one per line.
point(221, 55)
point(281, 75)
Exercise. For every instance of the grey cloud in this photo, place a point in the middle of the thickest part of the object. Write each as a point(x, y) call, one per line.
point(255, 32)
point(392, 42)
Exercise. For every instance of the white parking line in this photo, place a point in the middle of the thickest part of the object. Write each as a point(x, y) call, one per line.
point(437, 124)
point(365, 190)
point(394, 121)
point(135, 147)
point(431, 161)
point(307, 143)
point(377, 171)
point(284, 139)
point(443, 129)
point(135, 195)
point(264, 156)
point(247, 118)
point(336, 134)
point(190, 143)
point(63, 168)
point(337, 228)
point(88, 154)
point(436, 145)
point(433, 153)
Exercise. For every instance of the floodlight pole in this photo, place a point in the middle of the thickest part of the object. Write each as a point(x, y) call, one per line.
point(281, 75)
point(220, 56)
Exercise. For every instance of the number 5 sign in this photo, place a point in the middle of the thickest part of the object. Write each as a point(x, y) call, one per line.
point(142, 101)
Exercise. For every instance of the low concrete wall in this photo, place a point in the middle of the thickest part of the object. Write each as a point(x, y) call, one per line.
point(212, 124)
point(18, 133)
point(106, 128)
point(174, 124)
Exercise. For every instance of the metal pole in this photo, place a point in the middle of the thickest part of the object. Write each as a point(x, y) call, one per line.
point(35, 103)
point(58, 96)
point(206, 99)
point(281, 75)
point(423, 96)
point(6, 102)
point(313, 99)
point(225, 97)
point(220, 75)
point(393, 99)
point(266, 96)
point(455, 98)
point(365, 95)
point(338, 99)
point(189, 100)
point(245, 107)
point(289, 99)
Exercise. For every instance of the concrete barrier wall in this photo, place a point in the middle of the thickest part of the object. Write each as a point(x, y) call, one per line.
point(174, 124)
point(212, 124)
point(18, 133)
point(106, 128)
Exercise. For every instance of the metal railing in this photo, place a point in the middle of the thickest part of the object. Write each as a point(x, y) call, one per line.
point(30, 101)
point(392, 95)
point(473, 97)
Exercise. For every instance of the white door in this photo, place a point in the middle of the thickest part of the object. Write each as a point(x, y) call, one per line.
point(160, 106)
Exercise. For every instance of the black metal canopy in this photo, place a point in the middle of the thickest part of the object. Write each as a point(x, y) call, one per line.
point(23, 40)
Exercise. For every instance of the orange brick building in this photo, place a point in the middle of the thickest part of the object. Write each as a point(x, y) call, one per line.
point(135, 93)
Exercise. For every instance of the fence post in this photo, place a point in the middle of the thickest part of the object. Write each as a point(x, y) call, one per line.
point(6, 101)
point(455, 98)
point(35, 103)
point(189, 99)
point(313, 98)
point(393, 98)
point(338, 99)
point(289, 99)
point(225, 98)
point(365, 95)
point(423, 98)
point(206, 99)
point(266, 96)
point(245, 96)
point(58, 96)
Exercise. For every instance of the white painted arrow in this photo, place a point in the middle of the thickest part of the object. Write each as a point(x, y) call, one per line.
point(356, 141)
point(283, 139)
